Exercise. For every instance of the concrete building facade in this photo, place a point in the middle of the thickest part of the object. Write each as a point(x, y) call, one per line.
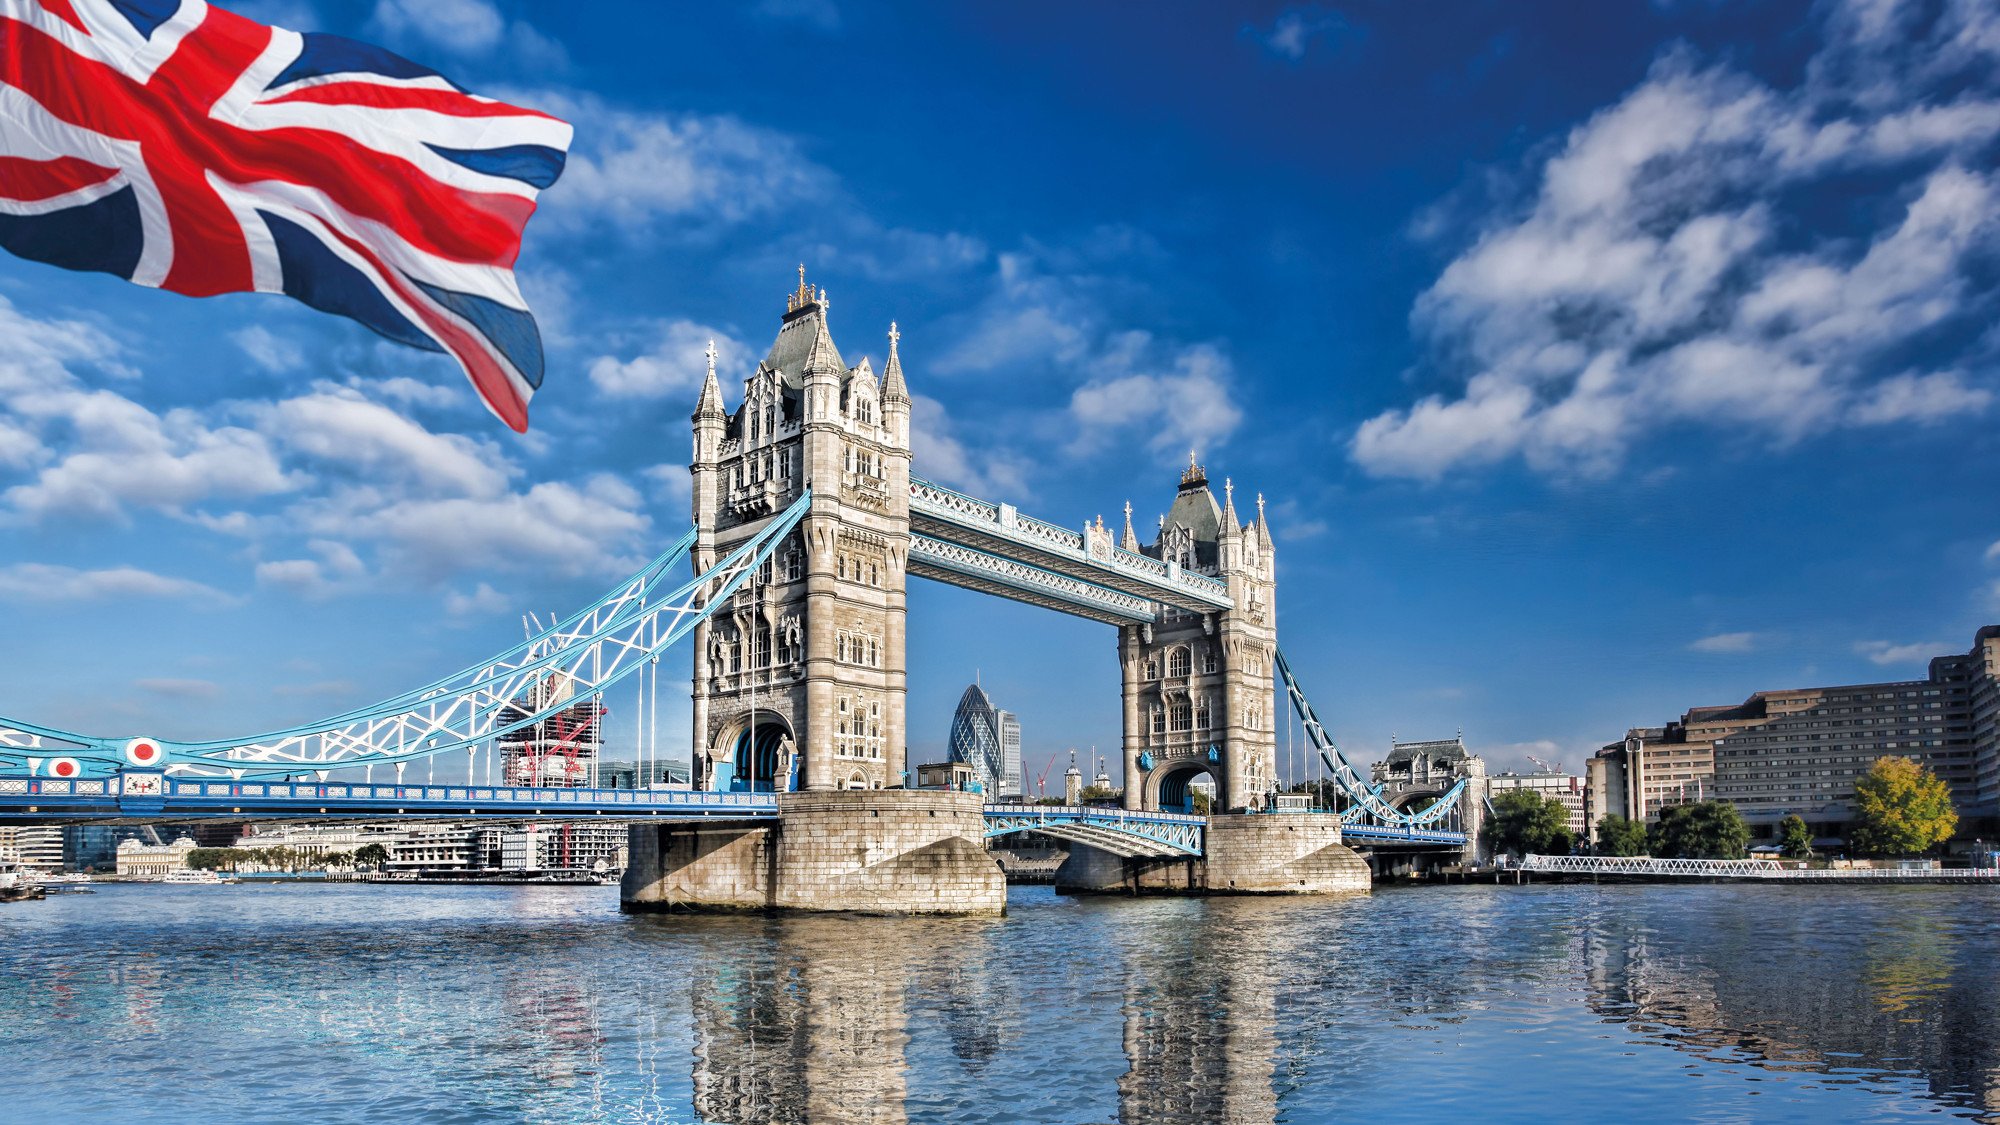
point(1799, 751)
point(1565, 788)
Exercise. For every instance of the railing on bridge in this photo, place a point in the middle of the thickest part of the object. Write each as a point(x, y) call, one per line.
point(1366, 807)
point(934, 508)
point(1114, 829)
point(154, 797)
point(1743, 869)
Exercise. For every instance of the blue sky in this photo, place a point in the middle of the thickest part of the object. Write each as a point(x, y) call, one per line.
point(1597, 361)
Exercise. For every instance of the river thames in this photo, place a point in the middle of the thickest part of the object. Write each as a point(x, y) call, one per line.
point(474, 1004)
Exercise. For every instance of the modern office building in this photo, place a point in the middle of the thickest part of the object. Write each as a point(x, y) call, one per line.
point(538, 847)
point(976, 739)
point(36, 848)
point(1010, 755)
point(1800, 750)
point(1567, 788)
point(640, 775)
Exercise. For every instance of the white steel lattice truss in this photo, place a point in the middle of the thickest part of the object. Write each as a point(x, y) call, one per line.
point(1113, 830)
point(1368, 803)
point(569, 662)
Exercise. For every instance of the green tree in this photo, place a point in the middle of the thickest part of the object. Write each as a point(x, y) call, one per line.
point(1617, 835)
point(1703, 830)
point(1099, 795)
point(207, 859)
point(1794, 837)
point(1524, 822)
point(371, 855)
point(1901, 808)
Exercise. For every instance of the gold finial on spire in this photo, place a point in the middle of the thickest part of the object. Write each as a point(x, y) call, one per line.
point(803, 295)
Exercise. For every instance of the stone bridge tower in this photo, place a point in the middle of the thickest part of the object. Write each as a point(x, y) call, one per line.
point(799, 681)
point(1198, 689)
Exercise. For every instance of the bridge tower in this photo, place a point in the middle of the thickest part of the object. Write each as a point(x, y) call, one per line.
point(1198, 691)
point(800, 684)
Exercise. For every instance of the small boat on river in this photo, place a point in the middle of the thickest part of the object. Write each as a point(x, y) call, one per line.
point(17, 883)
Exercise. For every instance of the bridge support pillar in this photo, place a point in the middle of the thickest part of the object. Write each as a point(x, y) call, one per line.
point(880, 851)
point(1281, 853)
point(1245, 854)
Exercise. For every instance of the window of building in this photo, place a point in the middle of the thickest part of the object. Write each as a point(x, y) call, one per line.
point(1180, 716)
point(1159, 721)
point(1209, 658)
point(1177, 662)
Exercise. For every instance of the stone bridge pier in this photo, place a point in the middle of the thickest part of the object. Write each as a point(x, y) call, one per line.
point(1245, 854)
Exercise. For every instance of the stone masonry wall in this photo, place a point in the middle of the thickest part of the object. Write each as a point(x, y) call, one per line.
point(709, 865)
point(888, 851)
point(1281, 853)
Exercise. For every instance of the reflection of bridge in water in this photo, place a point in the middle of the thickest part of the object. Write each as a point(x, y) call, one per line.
point(808, 523)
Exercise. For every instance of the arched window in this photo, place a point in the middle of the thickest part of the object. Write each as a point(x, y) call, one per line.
point(1159, 721)
point(857, 780)
point(840, 646)
point(1177, 662)
point(1208, 658)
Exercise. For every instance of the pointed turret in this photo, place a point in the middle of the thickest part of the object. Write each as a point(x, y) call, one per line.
point(1131, 541)
point(1263, 525)
point(711, 391)
point(1229, 524)
point(893, 388)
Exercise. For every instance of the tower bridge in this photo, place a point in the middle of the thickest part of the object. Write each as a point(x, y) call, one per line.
point(807, 524)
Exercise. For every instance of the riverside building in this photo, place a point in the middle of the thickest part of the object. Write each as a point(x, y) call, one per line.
point(1799, 751)
point(1565, 788)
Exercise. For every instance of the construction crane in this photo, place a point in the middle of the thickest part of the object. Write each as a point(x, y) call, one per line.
point(1041, 779)
point(1546, 767)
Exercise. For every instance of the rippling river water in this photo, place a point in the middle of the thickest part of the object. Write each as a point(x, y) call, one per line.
point(400, 1004)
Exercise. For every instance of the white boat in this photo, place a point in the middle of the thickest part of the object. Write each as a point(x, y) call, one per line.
point(17, 882)
point(202, 877)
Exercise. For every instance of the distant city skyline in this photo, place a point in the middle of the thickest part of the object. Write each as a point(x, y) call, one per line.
point(1554, 443)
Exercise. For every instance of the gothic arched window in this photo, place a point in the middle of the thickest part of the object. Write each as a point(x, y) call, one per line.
point(1177, 662)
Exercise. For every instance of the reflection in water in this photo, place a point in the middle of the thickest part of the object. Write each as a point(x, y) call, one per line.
point(479, 1004)
point(1894, 1003)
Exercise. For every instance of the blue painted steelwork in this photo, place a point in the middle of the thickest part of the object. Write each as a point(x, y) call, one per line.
point(138, 795)
point(1114, 830)
point(616, 636)
point(1368, 805)
point(1380, 835)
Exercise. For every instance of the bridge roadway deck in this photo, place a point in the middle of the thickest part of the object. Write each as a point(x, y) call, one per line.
point(131, 799)
point(998, 531)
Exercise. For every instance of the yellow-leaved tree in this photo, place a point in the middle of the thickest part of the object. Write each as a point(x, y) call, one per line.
point(1901, 808)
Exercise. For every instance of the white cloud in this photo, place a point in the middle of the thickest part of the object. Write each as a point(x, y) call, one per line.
point(1515, 756)
point(338, 427)
point(1884, 652)
point(674, 365)
point(1292, 33)
point(584, 528)
point(1181, 400)
point(42, 582)
point(942, 455)
point(1656, 272)
point(1993, 552)
point(467, 27)
point(1725, 642)
point(267, 349)
point(482, 601)
point(632, 168)
point(313, 578)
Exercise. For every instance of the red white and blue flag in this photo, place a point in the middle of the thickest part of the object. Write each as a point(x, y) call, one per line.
point(182, 146)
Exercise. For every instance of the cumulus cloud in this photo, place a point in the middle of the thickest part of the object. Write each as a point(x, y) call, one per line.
point(1725, 642)
point(673, 365)
point(946, 457)
point(1053, 313)
point(1292, 33)
point(1658, 270)
point(636, 168)
point(267, 349)
point(42, 582)
point(1885, 652)
point(482, 601)
point(468, 27)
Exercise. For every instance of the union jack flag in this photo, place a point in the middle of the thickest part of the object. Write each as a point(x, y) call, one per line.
point(182, 146)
